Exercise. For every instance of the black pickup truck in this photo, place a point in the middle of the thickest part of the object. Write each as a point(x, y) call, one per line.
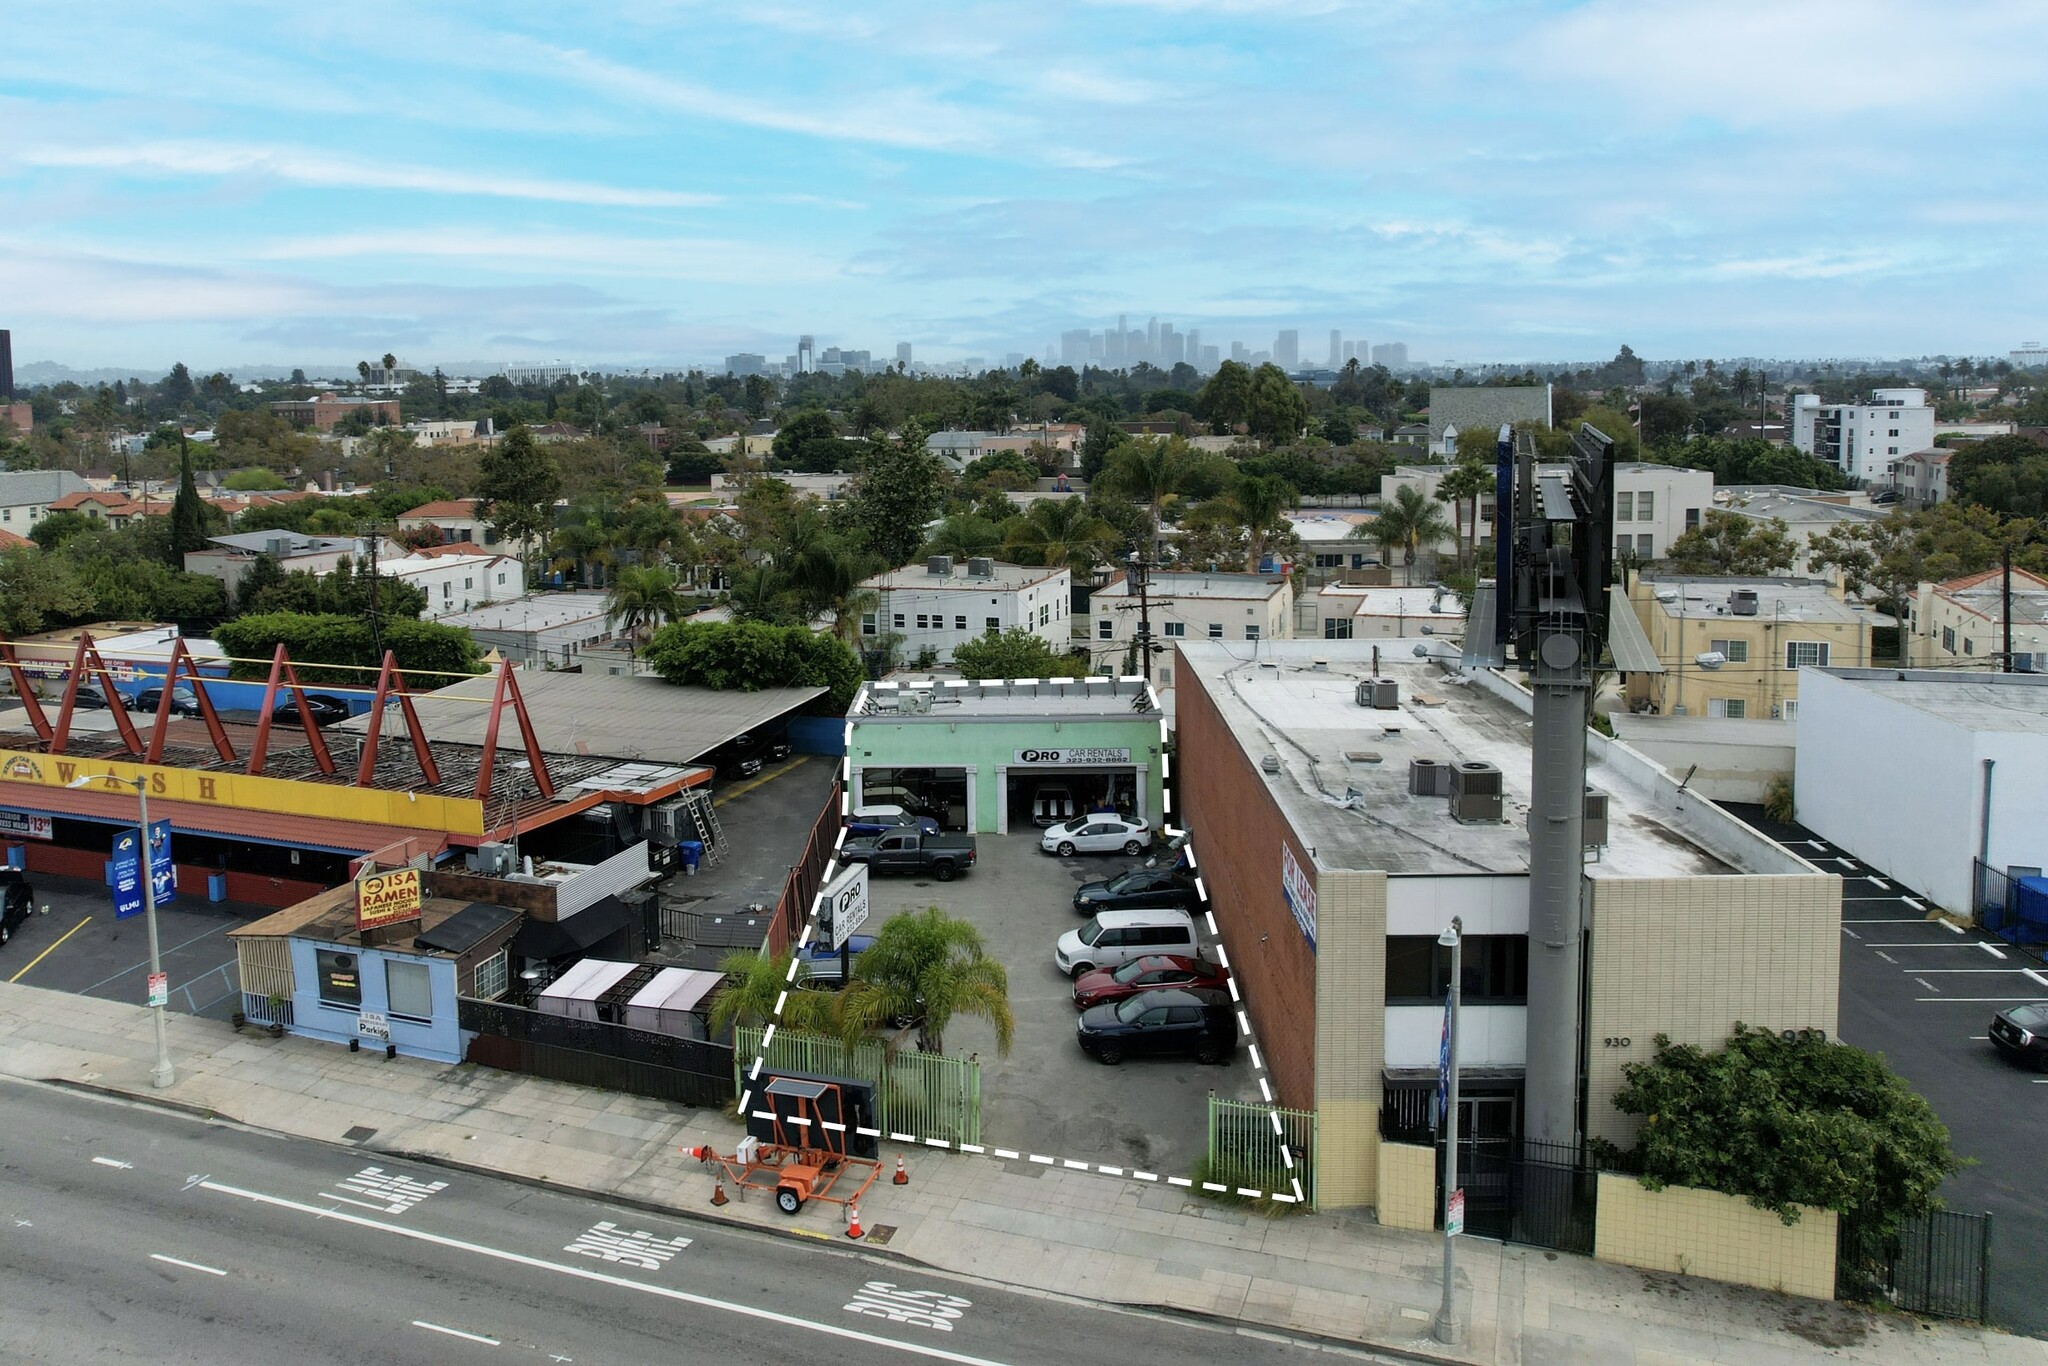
point(909, 850)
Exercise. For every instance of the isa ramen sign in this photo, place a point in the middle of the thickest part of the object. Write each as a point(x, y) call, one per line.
point(1300, 890)
point(388, 898)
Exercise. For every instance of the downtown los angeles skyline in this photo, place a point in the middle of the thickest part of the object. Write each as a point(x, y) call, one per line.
point(664, 183)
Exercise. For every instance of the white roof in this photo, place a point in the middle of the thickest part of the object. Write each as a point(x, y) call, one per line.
point(586, 980)
point(1322, 527)
point(674, 989)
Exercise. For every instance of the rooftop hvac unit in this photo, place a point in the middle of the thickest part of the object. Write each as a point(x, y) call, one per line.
point(1742, 602)
point(916, 703)
point(1429, 778)
point(941, 565)
point(493, 860)
point(277, 545)
point(981, 567)
point(1384, 694)
point(1475, 792)
point(1596, 821)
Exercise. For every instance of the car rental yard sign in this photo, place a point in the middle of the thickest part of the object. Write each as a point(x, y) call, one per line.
point(846, 904)
point(388, 898)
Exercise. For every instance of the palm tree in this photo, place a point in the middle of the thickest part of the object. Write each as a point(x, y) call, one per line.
point(1408, 523)
point(1147, 472)
point(1466, 480)
point(762, 593)
point(641, 596)
point(1261, 505)
point(927, 966)
point(754, 982)
point(583, 545)
point(1059, 531)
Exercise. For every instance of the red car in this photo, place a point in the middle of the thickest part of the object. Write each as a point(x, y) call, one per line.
point(1147, 974)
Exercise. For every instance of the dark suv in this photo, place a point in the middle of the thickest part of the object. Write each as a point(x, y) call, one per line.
point(1160, 1022)
point(17, 899)
point(1139, 889)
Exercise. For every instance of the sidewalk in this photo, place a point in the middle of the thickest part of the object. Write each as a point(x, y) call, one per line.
point(1336, 1276)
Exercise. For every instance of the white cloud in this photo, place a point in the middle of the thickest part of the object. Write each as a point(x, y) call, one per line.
point(566, 253)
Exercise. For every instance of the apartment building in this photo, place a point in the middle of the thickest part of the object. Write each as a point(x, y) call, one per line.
point(457, 582)
point(1733, 646)
point(230, 558)
point(454, 519)
point(26, 495)
point(1243, 609)
point(1865, 441)
point(323, 411)
point(1961, 623)
point(942, 603)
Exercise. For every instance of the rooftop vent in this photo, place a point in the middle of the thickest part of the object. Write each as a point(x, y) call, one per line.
point(1475, 792)
point(1270, 764)
point(1742, 602)
point(1595, 836)
point(940, 565)
point(1429, 778)
point(1321, 666)
point(981, 567)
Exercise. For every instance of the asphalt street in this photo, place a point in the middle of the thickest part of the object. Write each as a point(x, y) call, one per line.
point(129, 1232)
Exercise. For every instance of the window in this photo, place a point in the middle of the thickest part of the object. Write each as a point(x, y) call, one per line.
point(1969, 645)
point(492, 977)
point(1789, 710)
point(1215, 630)
point(1165, 675)
point(1806, 653)
point(960, 621)
point(921, 619)
point(899, 620)
point(1251, 632)
point(1496, 969)
point(341, 982)
point(468, 583)
point(1893, 432)
point(1948, 639)
point(1326, 561)
point(1735, 651)
point(6, 514)
point(1643, 548)
point(1337, 628)
point(1734, 708)
point(1646, 504)
point(1105, 629)
point(447, 589)
point(501, 580)
point(1174, 629)
point(868, 625)
point(1624, 507)
point(1045, 616)
point(990, 623)
point(1624, 545)
point(409, 989)
point(1692, 519)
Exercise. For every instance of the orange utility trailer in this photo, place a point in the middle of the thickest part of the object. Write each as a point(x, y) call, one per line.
point(804, 1159)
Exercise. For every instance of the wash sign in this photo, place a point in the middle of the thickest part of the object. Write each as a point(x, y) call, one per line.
point(1300, 890)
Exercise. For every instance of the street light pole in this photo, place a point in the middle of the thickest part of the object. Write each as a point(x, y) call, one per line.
point(1447, 1328)
point(161, 1075)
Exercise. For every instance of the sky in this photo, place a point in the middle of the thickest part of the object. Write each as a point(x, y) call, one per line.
point(659, 182)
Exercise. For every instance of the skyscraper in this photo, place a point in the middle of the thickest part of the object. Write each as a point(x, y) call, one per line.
point(1152, 341)
point(806, 355)
point(6, 365)
point(1287, 349)
point(1194, 347)
point(1336, 348)
point(1393, 355)
point(1074, 347)
point(903, 354)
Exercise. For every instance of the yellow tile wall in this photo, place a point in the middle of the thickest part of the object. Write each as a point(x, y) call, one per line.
point(1351, 1021)
point(1689, 957)
point(1720, 1237)
point(1407, 1186)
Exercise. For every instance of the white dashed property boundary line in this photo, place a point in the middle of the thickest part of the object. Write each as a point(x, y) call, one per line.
point(1244, 1025)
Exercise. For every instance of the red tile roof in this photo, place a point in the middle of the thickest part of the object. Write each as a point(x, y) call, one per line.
point(447, 507)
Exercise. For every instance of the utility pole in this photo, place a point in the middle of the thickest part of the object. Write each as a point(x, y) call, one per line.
point(2005, 600)
point(1140, 579)
point(376, 608)
point(1447, 1329)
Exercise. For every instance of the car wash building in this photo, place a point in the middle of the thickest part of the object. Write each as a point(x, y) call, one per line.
point(979, 755)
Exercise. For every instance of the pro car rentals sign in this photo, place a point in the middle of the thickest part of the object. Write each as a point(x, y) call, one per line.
point(1065, 758)
point(388, 898)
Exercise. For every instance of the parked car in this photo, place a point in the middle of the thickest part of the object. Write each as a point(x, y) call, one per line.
point(880, 820)
point(889, 794)
point(1155, 1023)
point(1112, 938)
point(912, 851)
point(737, 758)
point(2022, 1032)
point(1153, 971)
point(17, 899)
point(184, 702)
point(324, 710)
point(821, 960)
point(1097, 834)
point(1051, 805)
point(1138, 889)
point(89, 698)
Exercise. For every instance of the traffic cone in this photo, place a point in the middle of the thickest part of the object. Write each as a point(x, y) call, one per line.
point(853, 1222)
point(718, 1193)
point(902, 1172)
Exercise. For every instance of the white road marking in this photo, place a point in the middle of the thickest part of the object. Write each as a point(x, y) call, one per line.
point(456, 1333)
point(1970, 1000)
point(1887, 957)
point(115, 1162)
point(1851, 933)
point(608, 1242)
point(926, 1308)
point(189, 1266)
point(1995, 953)
point(1925, 983)
point(585, 1273)
point(1879, 883)
point(2035, 976)
point(1980, 1038)
point(1847, 863)
point(389, 1192)
point(1816, 844)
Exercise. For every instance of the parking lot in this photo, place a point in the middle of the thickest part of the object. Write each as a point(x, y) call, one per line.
point(80, 947)
point(1922, 992)
point(1048, 1096)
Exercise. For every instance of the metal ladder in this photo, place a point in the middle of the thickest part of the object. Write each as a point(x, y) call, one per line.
point(703, 818)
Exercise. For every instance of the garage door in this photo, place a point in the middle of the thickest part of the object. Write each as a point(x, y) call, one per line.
point(1040, 795)
point(944, 794)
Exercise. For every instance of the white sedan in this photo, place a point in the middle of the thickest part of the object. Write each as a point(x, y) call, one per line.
point(1097, 834)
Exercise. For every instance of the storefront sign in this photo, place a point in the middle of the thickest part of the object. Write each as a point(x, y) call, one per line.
point(21, 825)
point(1065, 758)
point(1300, 890)
point(371, 1025)
point(388, 898)
point(846, 904)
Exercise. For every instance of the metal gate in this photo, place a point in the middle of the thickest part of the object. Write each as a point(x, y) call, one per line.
point(1263, 1148)
point(1938, 1264)
point(1521, 1191)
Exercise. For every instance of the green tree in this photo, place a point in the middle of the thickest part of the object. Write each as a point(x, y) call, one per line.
point(521, 482)
point(1665, 418)
point(188, 513)
point(1466, 482)
point(38, 590)
point(58, 527)
point(253, 479)
point(746, 656)
point(930, 967)
point(1261, 503)
point(641, 596)
point(1786, 1122)
point(1226, 400)
point(895, 494)
point(1015, 653)
point(1147, 471)
point(1730, 543)
point(1408, 523)
point(1277, 411)
point(753, 995)
point(345, 644)
point(1059, 531)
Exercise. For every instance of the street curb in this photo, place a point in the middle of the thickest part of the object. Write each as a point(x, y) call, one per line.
point(810, 1239)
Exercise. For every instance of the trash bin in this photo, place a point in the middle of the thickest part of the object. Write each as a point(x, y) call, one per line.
point(692, 852)
point(17, 857)
point(216, 886)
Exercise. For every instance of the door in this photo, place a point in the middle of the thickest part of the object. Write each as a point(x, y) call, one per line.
point(895, 852)
point(1154, 1033)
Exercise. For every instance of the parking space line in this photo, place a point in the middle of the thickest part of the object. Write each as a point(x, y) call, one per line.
point(52, 949)
point(1971, 1000)
point(1925, 983)
point(144, 964)
point(1995, 953)
point(1887, 957)
point(2036, 976)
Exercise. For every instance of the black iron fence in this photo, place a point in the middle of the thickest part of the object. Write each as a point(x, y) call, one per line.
point(1936, 1264)
point(695, 1072)
point(1520, 1190)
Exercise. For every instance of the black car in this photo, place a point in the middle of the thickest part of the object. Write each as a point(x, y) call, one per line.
point(183, 701)
point(17, 898)
point(2022, 1032)
point(89, 699)
point(1139, 889)
point(1160, 1022)
point(324, 710)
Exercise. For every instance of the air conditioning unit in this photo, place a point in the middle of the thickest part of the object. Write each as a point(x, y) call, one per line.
point(492, 860)
point(915, 704)
point(981, 567)
point(940, 565)
point(1475, 792)
point(1386, 694)
point(1742, 602)
point(1595, 836)
point(1429, 778)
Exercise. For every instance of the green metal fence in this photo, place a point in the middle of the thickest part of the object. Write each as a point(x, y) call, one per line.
point(928, 1095)
point(1245, 1150)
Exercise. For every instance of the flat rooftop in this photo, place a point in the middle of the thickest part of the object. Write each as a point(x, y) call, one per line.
point(1175, 584)
point(1705, 597)
point(2015, 702)
point(1003, 578)
point(1343, 779)
point(540, 612)
point(954, 699)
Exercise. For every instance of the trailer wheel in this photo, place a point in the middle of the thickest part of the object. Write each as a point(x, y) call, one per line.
point(788, 1199)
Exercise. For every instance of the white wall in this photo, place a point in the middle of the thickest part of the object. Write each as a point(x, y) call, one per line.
point(957, 596)
point(1488, 1036)
point(1488, 904)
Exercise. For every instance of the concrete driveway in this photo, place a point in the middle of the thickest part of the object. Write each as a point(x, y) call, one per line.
point(1047, 1096)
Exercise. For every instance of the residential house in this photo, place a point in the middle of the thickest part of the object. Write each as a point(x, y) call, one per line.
point(113, 508)
point(1355, 611)
point(230, 558)
point(456, 582)
point(454, 519)
point(1922, 478)
point(26, 495)
point(1733, 646)
point(1239, 608)
point(1485, 407)
point(1804, 519)
point(1961, 623)
point(941, 603)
